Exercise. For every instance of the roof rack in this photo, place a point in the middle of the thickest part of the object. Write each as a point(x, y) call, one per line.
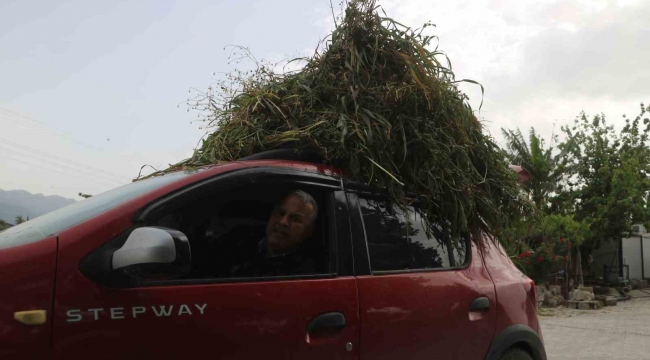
point(306, 155)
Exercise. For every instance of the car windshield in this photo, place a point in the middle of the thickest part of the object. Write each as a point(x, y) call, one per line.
point(73, 214)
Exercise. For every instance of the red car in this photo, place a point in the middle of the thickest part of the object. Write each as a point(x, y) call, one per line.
point(158, 269)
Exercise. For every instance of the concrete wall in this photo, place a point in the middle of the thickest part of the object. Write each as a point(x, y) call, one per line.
point(632, 255)
point(604, 256)
point(637, 260)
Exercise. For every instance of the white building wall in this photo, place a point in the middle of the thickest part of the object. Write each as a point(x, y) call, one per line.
point(632, 255)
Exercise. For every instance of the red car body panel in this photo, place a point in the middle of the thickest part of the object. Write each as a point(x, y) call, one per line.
point(270, 316)
point(516, 294)
point(419, 315)
point(225, 321)
point(27, 283)
point(425, 315)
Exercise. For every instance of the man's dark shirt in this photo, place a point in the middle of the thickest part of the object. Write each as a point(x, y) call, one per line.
point(253, 261)
point(239, 253)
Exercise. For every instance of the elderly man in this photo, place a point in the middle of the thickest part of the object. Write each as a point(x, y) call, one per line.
point(281, 251)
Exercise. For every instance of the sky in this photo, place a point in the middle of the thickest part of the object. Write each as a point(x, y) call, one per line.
point(91, 91)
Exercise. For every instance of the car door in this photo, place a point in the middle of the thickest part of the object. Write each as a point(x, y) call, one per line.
point(304, 316)
point(420, 298)
point(27, 285)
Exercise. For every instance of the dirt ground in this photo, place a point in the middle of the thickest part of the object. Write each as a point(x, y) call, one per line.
point(618, 332)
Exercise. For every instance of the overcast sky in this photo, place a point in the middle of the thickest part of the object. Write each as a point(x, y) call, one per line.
point(89, 89)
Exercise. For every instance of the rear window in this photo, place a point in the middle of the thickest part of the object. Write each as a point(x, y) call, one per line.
point(397, 240)
point(73, 214)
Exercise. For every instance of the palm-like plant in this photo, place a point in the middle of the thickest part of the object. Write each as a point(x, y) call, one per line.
point(546, 165)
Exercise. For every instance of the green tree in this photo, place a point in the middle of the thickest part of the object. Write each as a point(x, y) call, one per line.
point(546, 164)
point(548, 243)
point(593, 187)
point(609, 183)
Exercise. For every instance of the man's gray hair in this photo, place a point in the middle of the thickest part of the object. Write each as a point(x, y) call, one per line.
point(307, 199)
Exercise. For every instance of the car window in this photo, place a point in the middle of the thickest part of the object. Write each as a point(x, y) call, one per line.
point(255, 231)
point(61, 219)
point(397, 239)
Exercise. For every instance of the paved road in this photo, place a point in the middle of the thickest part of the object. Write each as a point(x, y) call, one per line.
point(620, 332)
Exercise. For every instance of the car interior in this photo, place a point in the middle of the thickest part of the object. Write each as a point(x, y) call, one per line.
point(215, 223)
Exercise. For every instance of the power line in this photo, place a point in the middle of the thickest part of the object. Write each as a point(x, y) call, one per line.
point(80, 171)
point(83, 176)
point(58, 158)
point(24, 120)
point(32, 120)
point(72, 169)
point(29, 125)
point(106, 182)
point(44, 168)
point(39, 126)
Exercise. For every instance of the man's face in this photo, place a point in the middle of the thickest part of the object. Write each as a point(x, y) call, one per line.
point(290, 223)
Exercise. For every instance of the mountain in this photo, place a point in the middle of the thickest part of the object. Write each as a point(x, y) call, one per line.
point(22, 203)
point(4, 225)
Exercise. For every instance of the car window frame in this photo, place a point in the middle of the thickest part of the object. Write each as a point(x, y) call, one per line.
point(356, 191)
point(332, 184)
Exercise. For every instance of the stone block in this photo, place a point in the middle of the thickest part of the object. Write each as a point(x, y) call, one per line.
point(579, 295)
point(586, 288)
point(585, 305)
point(611, 301)
point(556, 289)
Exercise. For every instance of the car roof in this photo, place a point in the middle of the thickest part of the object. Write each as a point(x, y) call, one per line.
point(281, 158)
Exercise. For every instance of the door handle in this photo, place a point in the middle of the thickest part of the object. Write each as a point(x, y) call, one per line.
point(480, 304)
point(327, 320)
point(32, 317)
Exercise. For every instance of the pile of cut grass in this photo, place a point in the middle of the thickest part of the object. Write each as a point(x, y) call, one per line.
point(381, 105)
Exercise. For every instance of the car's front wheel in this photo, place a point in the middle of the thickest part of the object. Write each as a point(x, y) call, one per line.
point(516, 354)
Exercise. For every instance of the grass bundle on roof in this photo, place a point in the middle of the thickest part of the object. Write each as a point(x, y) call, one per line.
point(378, 102)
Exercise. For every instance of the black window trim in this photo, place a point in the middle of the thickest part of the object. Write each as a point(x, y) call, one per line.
point(361, 255)
point(317, 179)
point(342, 218)
point(366, 192)
point(210, 281)
point(288, 175)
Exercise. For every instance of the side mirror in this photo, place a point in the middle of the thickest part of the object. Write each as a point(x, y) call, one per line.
point(154, 253)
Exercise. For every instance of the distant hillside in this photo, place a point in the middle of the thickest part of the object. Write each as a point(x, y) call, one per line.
point(22, 203)
point(4, 225)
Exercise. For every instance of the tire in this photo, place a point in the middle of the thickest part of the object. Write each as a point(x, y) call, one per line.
point(516, 354)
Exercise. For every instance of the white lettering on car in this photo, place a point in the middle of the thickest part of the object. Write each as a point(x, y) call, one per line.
point(74, 315)
point(135, 312)
point(201, 308)
point(163, 310)
point(96, 312)
point(138, 310)
point(186, 311)
point(117, 313)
